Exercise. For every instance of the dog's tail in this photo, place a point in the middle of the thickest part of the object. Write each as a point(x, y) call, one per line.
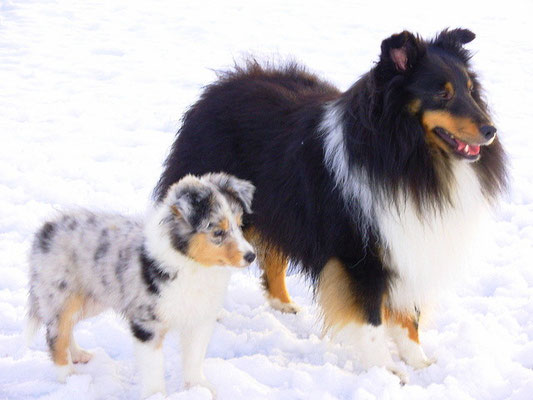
point(33, 322)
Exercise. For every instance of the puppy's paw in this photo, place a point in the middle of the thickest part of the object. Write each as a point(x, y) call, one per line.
point(80, 356)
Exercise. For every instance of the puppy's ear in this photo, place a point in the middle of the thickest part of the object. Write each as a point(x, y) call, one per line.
point(190, 200)
point(400, 52)
point(453, 41)
point(236, 189)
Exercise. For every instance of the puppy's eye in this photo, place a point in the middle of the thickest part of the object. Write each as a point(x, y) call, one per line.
point(219, 233)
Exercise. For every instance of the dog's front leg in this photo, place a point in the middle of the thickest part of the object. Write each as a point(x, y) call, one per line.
point(194, 342)
point(150, 362)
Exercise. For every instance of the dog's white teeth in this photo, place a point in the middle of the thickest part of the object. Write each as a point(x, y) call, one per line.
point(467, 148)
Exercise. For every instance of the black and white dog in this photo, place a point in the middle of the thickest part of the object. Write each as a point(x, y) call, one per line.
point(166, 273)
point(377, 194)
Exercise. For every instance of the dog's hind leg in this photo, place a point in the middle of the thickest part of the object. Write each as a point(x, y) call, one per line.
point(59, 333)
point(89, 308)
point(347, 318)
point(403, 328)
point(274, 264)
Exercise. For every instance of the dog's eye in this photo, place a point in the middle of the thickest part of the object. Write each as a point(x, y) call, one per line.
point(445, 95)
point(219, 233)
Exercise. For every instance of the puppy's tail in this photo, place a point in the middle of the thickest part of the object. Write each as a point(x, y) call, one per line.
point(33, 322)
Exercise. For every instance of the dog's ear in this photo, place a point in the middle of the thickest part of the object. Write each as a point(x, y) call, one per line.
point(400, 52)
point(454, 37)
point(453, 40)
point(236, 189)
point(190, 200)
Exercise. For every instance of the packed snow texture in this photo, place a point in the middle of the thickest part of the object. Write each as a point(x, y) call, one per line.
point(91, 95)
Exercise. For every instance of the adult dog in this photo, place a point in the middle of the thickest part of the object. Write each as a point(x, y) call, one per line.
point(376, 193)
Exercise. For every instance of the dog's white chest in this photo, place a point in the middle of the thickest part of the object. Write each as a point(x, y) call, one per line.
point(428, 253)
point(195, 296)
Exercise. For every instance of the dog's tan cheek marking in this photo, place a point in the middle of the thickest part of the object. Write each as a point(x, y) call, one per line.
point(335, 296)
point(232, 254)
point(202, 250)
point(405, 321)
point(462, 128)
point(66, 323)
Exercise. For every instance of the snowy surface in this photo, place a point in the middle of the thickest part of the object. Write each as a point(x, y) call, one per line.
point(91, 93)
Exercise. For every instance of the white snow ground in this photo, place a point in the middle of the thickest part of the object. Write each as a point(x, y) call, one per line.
point(91, 93)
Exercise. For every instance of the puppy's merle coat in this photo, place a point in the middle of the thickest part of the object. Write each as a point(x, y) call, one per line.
point(155, 274)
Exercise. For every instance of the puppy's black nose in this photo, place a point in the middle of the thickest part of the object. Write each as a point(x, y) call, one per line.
point(488, 131)
point(249, 257)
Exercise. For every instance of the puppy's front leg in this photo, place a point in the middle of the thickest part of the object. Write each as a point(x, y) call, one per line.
point(194, 342)
point(150, 362)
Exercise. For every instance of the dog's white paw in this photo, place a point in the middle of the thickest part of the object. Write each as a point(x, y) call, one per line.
point(81, 356)
point(401, 374)
point(423, 363)
point(63, 372)
point(288, 308)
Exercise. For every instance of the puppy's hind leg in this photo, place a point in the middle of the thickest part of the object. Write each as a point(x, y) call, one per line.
point(90, 308)
point(59, 333)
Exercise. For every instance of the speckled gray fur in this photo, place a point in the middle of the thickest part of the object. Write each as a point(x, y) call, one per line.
point(96, 255)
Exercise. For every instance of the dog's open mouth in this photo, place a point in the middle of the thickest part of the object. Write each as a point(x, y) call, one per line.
point(466, 150)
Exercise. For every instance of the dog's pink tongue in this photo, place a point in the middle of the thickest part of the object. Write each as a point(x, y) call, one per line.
point(460, 145)
point(474, 150)
point(470, 149)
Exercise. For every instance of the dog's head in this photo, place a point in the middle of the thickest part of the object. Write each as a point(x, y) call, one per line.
point(205, 217)
point(436, 85)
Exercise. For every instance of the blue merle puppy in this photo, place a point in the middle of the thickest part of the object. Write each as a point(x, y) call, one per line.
point(169, 272)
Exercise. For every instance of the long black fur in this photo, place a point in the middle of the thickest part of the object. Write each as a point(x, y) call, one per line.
point(263, 124)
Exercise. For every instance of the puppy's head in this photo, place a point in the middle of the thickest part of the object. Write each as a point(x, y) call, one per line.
point(205, 217)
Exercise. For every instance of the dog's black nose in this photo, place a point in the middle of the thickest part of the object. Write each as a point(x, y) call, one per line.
point(488, 131)
point(249, 257)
